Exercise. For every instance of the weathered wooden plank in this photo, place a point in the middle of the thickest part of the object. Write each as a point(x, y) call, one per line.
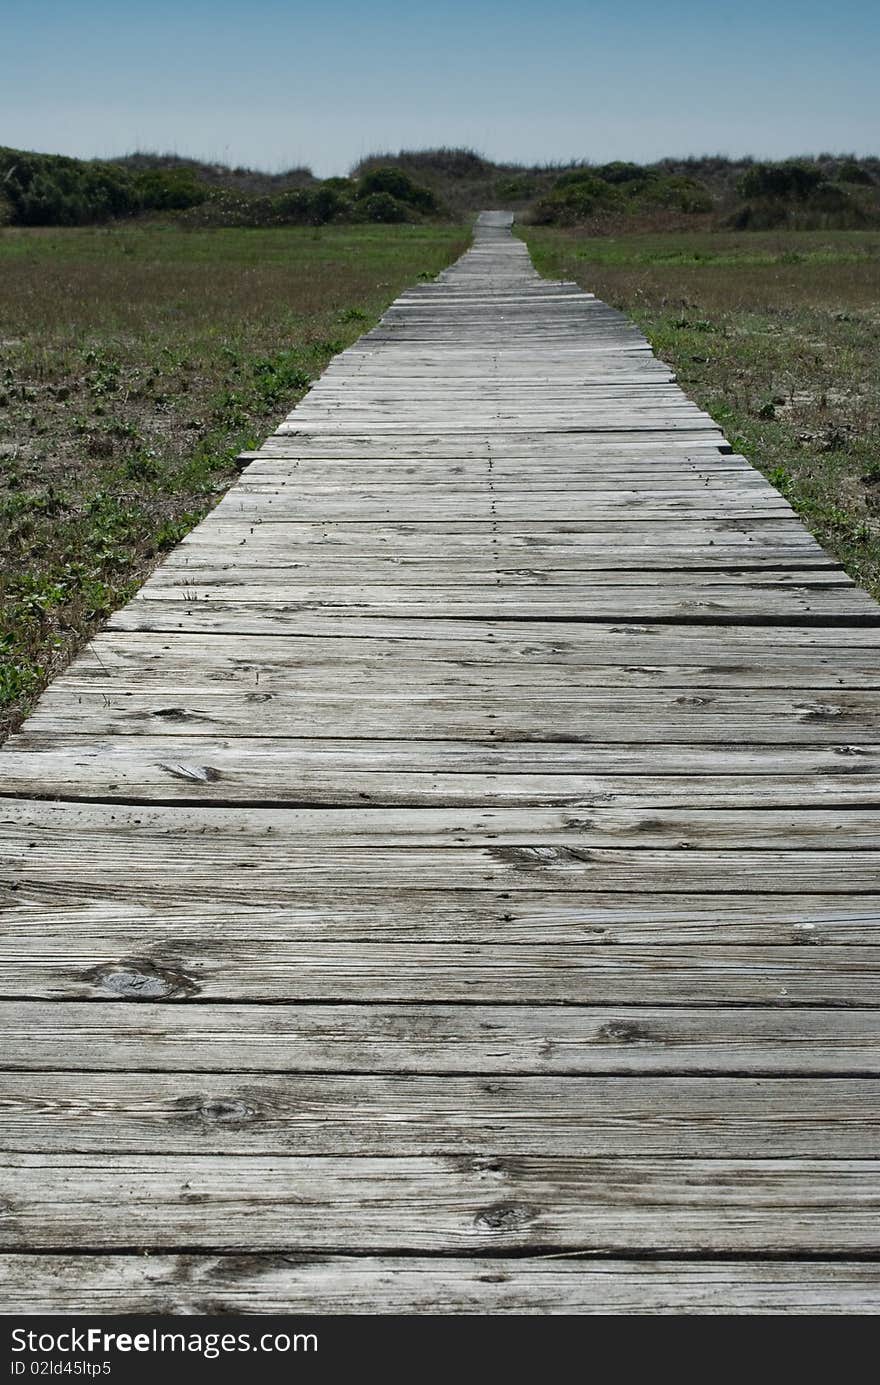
point(448, 1204)
point(288, 1284)
point(187, 846)
point(465, 536)
point(431, 1038)
point(291, 662)
point(557, 441)
point(383, 506)
point(754, 603)
point(147, 917)
point(242, 617)
point(188, 667)
point(183, 872)
point(277, 582)
point(565, 759)
point(688, 716)
point(725, 565)
point(34, 827)
point(167, 769)
point(180, 960)
point(427, 488)
point(580, 642)
point(330, 1115)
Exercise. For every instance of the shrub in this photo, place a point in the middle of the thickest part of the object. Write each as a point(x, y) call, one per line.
point(326, 203)
point(576, 198)
point(828, 197)
point(828, 207)
point(760, 216)
point(393, 182)
point(169, 190)
point(785, 180)
point(381, 206)
point(457, 164)
point(678, 193)
point(582, 174)
point(582, 193)
point(48, 190)
point(294, 206)
point(313, 206)
point(625, 173)
point(515, 189)
point(852, 172)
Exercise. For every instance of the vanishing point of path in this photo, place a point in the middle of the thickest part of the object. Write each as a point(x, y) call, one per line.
point(451, 884)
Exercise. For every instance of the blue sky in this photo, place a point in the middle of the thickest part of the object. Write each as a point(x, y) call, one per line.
point(273, 83)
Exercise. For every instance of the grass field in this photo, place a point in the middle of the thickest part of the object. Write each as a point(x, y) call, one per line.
point(777, 336)
point(135, 363)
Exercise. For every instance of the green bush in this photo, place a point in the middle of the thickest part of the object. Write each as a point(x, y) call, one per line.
point(828, 207)
point(326, 204)
point(784, 180)
point(169, 190)
point(759, 216)
point(48, 190)
point(852, 172)
point(381, 206)
point(625, 173)
point(797, 196)
point(515, 189)
point(575, 199)
point(294, 206)
point(393, 182)
point(582, 174)
point(582, 193)
point(679, 194)
point(313, 206)
point(828, 197)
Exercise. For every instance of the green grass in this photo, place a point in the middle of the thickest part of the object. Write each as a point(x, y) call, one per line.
point(776, 335)
point(136, 362)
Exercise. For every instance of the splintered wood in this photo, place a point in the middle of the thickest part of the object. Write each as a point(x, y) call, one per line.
point(452, 884)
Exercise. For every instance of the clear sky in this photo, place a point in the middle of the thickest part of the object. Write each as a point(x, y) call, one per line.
point(272, 83)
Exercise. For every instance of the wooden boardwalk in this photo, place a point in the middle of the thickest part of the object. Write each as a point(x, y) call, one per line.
point(451, 884)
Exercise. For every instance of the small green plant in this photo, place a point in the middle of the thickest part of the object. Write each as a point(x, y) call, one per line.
point(780, 477)
point(20, 678)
